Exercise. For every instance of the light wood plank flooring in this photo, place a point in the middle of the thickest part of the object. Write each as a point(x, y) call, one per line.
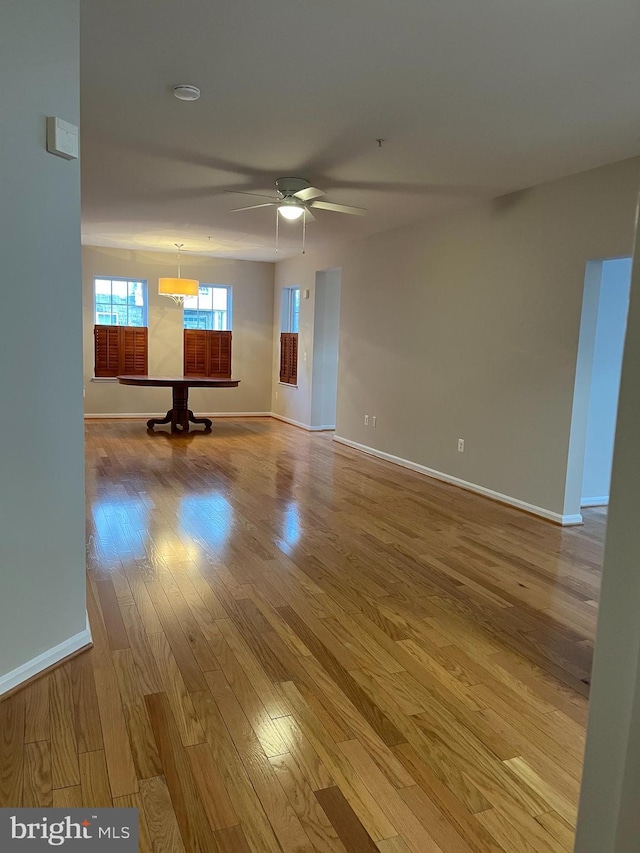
point(300, 648)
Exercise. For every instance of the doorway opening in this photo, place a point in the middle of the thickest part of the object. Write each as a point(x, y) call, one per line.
point(602, 332)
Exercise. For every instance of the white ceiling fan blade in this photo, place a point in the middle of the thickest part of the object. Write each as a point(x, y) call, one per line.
point(254, 206)
point(338, 208)
point(259, 195)
point(308, 193)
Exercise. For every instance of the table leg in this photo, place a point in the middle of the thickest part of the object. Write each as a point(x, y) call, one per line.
point(207, 423)
point(180, 411)
point(166, 420)
point(180, 415)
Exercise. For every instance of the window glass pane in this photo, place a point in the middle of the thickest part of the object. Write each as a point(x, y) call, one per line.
point(220, 295)
point(103, 287)
point(136, 316)
point(136, 290)
point(295, 308)
point(205, 298)
point(190, 302)
point(119, 290)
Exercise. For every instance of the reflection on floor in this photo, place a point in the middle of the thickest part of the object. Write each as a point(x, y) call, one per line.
point(298, 648)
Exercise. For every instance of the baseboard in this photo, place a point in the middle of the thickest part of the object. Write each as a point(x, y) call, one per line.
point(301, 425)
point(110, 415)
point(564, 520)
point(599, 501)
point(36, 666)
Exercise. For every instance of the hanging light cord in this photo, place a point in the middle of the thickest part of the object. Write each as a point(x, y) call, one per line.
point(178, 247)
point(304, 229)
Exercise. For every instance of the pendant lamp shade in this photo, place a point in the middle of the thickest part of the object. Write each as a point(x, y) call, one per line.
point(178, 286)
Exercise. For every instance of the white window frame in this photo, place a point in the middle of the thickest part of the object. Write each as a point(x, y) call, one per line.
point(229, 289)
point(112, 278)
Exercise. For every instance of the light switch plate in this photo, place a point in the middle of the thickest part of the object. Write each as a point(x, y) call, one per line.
point(62, 138)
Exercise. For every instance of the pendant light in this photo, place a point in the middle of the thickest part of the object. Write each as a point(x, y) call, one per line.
point(178, 288)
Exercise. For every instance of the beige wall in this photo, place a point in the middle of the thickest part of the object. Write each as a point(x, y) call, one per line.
point(467, 326)
point(42, 552)
point(252, 284)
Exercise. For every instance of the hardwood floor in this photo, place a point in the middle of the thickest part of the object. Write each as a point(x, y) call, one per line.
point(298, 647)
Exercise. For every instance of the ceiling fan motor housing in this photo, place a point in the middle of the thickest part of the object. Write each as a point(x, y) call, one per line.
point(290, 186)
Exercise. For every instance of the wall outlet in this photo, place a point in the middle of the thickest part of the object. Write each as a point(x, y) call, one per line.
point(374, 420)
point(461, 445)
point(366, 420)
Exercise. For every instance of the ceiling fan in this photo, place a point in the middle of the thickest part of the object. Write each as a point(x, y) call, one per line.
point(296, 197)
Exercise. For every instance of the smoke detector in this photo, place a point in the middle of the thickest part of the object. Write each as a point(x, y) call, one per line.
point(186, 92)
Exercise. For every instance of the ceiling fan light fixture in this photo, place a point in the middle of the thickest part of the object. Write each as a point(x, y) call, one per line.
point(186, 92)
point(290, 209)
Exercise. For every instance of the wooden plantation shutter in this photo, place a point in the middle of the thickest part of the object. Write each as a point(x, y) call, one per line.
point(107, 360)
point(289, 358)
point(195, 352)
point(133, 350)
point(207, 353)
point(120, 350)
point(220, 355)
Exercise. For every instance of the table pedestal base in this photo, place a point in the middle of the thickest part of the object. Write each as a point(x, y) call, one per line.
point(180, 416)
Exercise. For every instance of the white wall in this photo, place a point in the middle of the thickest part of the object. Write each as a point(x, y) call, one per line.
point(326, 334)
point(467, 326)
point(252, 284)
point(42, 553)
point(611, 323)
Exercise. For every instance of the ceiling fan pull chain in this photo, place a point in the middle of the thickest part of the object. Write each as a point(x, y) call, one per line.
point(304, 230)
point(277, 224)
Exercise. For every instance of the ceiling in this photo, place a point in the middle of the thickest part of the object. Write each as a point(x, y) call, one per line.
point(473, 99)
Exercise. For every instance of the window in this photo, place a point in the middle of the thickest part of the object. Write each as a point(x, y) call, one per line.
point(290, 321)
point(290, 309)
point(120, 330)
point(210, 309)
point(120, 302)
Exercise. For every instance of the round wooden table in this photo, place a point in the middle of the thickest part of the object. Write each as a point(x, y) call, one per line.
point(180, 416)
